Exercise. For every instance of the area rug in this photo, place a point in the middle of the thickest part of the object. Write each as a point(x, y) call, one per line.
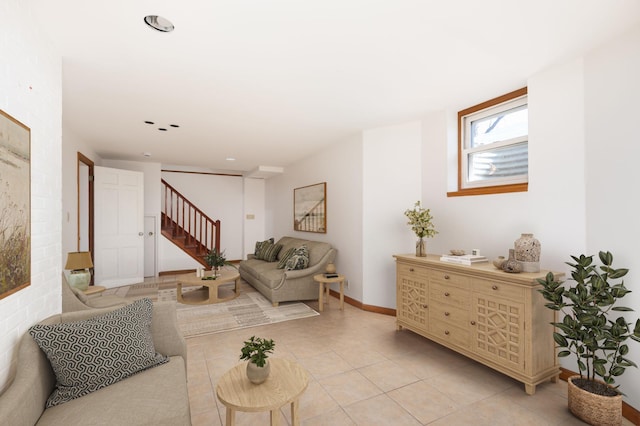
point(250, 309)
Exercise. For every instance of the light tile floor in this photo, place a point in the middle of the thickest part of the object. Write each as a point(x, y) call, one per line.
point(364, 372)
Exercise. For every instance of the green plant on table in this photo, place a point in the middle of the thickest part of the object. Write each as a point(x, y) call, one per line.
point(588, 330)
point(217, 259)
point(257, 350)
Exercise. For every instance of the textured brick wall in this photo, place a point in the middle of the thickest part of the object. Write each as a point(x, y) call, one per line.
point(31, 92)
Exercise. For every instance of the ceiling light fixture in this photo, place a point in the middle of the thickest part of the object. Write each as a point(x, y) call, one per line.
point(159, 23)
point(230, 159)
point(146, 154)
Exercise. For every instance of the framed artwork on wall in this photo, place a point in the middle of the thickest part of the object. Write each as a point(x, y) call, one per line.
point(15, 205)
point(310, 208)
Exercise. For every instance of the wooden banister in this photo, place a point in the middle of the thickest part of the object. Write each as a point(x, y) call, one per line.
point(189, 222)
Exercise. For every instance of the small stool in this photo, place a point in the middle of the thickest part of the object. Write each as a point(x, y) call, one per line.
point(326, 283)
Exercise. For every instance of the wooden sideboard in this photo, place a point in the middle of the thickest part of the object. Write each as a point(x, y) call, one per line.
point(494, 317)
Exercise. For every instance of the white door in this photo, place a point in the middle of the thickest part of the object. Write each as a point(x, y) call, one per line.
point(149, 246)
point(119, 227)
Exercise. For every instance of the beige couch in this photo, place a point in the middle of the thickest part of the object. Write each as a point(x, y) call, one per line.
point(280, 285)
point(157, 396)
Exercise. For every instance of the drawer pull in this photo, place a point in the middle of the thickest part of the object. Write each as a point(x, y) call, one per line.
point(446, 294)
point(424, 306)
point(446, 332)
point(494, 287)
point(411, 269)
point(473, 323)
point(446, 314)
point(446, 277)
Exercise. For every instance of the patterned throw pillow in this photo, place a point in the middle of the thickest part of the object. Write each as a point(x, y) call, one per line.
point(269, 252)
point(283, 259)
point(95, 353)
point(260, 243)
point(299, 259)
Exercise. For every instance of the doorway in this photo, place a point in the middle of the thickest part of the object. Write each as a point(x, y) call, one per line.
point(85, 205)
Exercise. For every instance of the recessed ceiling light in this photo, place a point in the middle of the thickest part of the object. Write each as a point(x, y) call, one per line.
point(230, 159)
point(146, 154)
point(159, 23)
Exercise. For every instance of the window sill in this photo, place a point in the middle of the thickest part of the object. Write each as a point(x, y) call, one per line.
point(500, 189)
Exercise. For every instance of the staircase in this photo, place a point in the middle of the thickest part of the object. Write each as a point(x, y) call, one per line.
point(187, 226)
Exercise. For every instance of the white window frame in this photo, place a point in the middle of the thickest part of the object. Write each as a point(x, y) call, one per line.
point(513, 100)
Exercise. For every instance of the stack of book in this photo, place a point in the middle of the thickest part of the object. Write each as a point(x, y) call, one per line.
point(467, 259)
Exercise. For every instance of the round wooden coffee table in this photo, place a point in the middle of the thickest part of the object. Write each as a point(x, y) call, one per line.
point(285, 384)
point(212, 285)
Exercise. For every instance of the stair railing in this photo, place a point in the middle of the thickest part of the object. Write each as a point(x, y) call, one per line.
point(189, 221)
point(313, 220)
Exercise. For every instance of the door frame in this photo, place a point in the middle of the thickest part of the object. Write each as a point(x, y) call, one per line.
point(84, 160)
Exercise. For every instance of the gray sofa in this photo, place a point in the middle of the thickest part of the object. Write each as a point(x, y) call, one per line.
point(280, 285)
point(156, 396)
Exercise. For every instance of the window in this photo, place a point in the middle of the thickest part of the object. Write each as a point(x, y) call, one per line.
point(493, 152)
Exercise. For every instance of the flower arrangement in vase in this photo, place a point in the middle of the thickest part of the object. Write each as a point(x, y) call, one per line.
point(421, 223)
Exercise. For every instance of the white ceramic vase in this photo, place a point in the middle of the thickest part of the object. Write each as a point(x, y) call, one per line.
point(257, 375)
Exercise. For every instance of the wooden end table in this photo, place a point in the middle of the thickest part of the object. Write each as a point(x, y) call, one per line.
point(285, 384)
point(326, 283)
point(213, 286)
point(94, 289)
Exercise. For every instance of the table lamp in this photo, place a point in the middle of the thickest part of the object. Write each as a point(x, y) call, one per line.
point(79, 263)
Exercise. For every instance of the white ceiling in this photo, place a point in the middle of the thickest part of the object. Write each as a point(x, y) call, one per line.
point(272, 81)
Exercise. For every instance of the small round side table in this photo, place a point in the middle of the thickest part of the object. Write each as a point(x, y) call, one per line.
point(326, 283)
point(285, 384)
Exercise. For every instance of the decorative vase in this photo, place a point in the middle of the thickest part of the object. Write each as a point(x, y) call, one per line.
point(528, 253)
point(331, 268)
point(257, 375)
point(511, 264)
point(421, 248)
point(498, 261)
point(592, 408)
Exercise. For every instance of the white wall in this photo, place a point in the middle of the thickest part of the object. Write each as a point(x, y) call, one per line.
point(71, 145)
point(254, 214)
point(392, 183)
point(612, 89)
point(31, 92)
point(340, 166)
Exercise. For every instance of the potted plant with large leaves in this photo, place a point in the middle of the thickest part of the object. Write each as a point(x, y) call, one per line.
point(589, 332)
point(256, 350)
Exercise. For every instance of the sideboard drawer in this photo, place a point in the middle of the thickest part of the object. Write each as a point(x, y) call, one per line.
point(451, 333)
point(449, 295)
point(450, 279)
point(499, 289)
point(449, 314)
point(411, 270)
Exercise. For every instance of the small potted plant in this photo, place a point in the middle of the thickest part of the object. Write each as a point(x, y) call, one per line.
point(420, 221)
point(256, 350)
point(216, 261)
point(589, 331)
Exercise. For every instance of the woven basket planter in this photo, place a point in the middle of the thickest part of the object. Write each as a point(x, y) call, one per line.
point(594, 409)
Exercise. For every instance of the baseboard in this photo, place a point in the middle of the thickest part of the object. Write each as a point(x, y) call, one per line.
point(358, 304)
point(628, 412)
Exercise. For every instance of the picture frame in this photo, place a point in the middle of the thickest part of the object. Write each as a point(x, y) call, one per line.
point(15, 205)
point(310, 208)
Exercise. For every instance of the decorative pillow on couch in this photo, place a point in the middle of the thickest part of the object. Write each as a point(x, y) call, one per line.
point(259, 244)
point(285, 257)
point(269, 252)
point(95, 353)
point(299, 259)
